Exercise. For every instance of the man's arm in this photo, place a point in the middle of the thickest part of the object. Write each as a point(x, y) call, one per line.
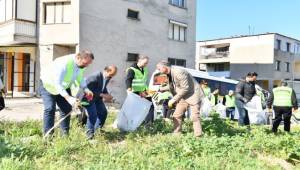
point(270, 100)
point(59, 72)
point(129, 78)
point(224, 100)
point(294, 100)
point(238, 92)
point(184, 86)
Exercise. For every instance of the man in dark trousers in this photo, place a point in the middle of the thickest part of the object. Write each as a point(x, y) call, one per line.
point(244, 92)
point(284, 102)
point(136, 82)
point(97, 112)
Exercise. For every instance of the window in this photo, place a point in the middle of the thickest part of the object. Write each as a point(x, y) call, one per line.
point(132, 57)
point(179, 3)
point(288, 47)
point(277, 67)
point(133, 14)
point(177, 62)
point(57, 13)
point(278, 44)
point(177, 31)
point(287, 67)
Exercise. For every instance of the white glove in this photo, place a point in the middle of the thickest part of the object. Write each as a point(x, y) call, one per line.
point(71, 100)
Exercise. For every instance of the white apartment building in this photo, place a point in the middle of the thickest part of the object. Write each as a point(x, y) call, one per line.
point(116, 31)
point(273, 56)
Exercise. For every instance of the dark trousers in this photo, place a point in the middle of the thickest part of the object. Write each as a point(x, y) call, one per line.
point(2, 103)
point(97, 115)
point(282, 113)
point(243, 113)
point(150, 116)
point(50, 102)
point(230, 112)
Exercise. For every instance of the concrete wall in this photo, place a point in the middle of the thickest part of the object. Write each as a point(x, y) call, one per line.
point(106, 30)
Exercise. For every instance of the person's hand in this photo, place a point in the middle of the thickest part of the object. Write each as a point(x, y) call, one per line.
point(106, 97)
point(270, 110)
point(245, 100)
point(129, 89)
point(171, 103)
point(88, 94)
point(71, 100)
point(144, 94)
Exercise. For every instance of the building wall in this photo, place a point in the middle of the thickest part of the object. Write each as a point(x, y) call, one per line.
point(65, 33)
point(106, 31)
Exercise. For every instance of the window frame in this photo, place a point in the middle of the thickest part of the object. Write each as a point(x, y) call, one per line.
point(277, 65)
point(63, 3)
point(171, 2)
point(176, 61)
point(181, 26)
point(287, 67)
point(135, 55)
point(133, 18)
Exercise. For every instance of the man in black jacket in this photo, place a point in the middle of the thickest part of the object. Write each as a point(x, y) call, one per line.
point(244, 92)
point(96, 108)
point(136, 82)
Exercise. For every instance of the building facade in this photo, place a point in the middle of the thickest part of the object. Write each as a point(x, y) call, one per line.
point(116, 31)
point(18, 45)
point(273, 56)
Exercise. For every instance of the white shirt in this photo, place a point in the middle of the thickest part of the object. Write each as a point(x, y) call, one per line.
point(56, 72)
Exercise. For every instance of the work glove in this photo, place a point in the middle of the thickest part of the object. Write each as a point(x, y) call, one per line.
point(171, 103)
point(88, 94)
point(71, 100)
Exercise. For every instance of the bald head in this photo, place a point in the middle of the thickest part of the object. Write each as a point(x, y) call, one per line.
point(110, 71)
point(163, 67)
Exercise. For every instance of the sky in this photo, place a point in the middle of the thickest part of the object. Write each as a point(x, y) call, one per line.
point(225, 18)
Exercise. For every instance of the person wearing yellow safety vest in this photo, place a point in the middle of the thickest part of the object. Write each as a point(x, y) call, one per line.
point(55, 87)
point(205, 88)
point(136, 82)
point(229, 102)
point(214, 97)
point(284, 102)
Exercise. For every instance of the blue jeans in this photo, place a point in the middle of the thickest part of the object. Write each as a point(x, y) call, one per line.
point(50, 102)
point(230, 112)
point(243, 113)
point(97, 115)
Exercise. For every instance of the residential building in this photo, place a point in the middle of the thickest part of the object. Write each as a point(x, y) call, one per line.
point(273, 56)
point(116, 31)
point(18, 45)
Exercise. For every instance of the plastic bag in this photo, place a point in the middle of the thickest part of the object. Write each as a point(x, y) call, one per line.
point(255, 112)
point(133, 112)
point(221, 110)
point(206, 107)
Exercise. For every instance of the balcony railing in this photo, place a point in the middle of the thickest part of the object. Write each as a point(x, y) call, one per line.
point(216, 55)
point(10, 31)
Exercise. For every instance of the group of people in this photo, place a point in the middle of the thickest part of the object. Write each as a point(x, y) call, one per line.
point(66, 73)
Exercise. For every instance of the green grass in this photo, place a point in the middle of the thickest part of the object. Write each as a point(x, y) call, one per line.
point(224, 146)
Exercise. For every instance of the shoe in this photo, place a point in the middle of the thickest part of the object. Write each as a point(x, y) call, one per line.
point(90, 136)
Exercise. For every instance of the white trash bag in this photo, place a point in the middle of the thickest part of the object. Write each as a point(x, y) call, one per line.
point(133, 112)
point(255, 112)
point(221, 110)
point(206, 107)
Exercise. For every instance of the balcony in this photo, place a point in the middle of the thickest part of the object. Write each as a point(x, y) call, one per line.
point(215, 55)
point(17, 32)
point(225, 74)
